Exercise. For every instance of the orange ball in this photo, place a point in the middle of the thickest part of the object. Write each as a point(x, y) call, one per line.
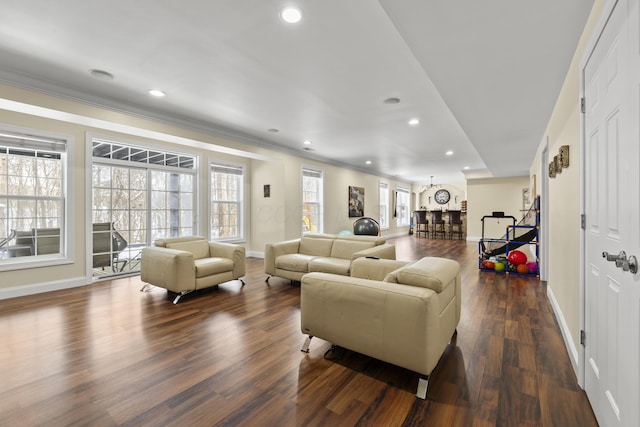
point(523, 269)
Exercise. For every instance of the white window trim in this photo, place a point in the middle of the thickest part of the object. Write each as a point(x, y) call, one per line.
point(406, 190)
point(380, 185)
point(243, 212)
point(89, 137)
point(322, 195)
point(68, 249)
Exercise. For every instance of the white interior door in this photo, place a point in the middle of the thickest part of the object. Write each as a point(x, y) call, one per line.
point(612, 295)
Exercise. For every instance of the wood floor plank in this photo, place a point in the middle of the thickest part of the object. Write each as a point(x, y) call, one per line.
point(107, 354)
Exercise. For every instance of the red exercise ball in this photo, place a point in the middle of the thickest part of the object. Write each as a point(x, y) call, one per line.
point(517, 258)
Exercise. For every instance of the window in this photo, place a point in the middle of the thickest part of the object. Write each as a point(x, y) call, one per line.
point(383, 200)
point(312, 199)
point(402, 207)
point(227, 202)
point(33, 197)
point(138, 195)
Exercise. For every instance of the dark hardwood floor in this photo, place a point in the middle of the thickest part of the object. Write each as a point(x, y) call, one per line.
point(109, 355)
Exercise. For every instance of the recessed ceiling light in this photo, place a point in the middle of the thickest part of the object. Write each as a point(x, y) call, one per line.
point(466, 168)
point(414, 122)
point(157, 93)
point(391, 100)
point(273, 130)
point(101, 74)
point(291, 15)
point(449, 153)
point(368, 162)
point(307, 142)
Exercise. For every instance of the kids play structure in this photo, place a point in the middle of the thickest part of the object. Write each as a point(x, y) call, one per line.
point(517, 252)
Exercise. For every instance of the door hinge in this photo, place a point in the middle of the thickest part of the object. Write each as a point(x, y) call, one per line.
point(583, 108)
point(583, 221)
point(583, 338)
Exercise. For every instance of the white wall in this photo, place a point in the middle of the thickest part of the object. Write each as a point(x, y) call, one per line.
point(564, 191)
point(488, 195)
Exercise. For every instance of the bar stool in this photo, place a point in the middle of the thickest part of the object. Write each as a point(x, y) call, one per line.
point(422, 224)
point(437, 224)
point(455, 224)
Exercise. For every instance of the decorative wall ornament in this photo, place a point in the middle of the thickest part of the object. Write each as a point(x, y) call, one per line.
point(559, 162)
point(564, 156)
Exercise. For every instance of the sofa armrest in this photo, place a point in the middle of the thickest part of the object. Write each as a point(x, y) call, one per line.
point(170, 269)
point(384, 251)
point(274, 250)
point(236, 253)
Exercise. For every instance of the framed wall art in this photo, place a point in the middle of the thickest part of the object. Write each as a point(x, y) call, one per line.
point(356, 201)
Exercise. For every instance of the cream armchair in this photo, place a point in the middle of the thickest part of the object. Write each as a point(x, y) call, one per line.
point(185, 264)
point(402, 313)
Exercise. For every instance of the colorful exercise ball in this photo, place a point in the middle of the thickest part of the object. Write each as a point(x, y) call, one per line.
point(517, 258)
point(489, 265)
point(533, 267)
point(522, 269)
point(499, 266)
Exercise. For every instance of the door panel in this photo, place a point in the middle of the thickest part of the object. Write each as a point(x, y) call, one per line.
point(612, 199)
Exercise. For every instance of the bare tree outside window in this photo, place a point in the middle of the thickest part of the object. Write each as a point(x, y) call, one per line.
point(144, 195)
point(32, 197)
point(227, 202)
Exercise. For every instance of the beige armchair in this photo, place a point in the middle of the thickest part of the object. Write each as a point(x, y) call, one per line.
point(185, 264)
point(401, 313)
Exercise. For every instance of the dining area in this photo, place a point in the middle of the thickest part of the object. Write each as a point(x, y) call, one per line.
point(440, 224)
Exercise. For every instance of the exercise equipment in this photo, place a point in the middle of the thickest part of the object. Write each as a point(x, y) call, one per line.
point(366, 226)
point(526, 232)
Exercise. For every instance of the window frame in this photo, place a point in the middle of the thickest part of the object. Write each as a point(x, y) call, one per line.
point(242, 204)
point(320, 203)
point(383, 202)
point(37, 140)
point(407, 216)
point(149, 168)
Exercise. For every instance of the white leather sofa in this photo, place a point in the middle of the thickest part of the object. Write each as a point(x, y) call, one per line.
point(402, 313)
point(185, 264)
point(328, 253)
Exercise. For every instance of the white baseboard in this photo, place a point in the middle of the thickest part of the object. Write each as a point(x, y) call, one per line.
point(38, 288)
point(566, 334)
point(400, 234)
point(254, 254)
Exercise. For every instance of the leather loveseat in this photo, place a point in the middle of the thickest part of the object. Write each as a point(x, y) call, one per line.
point(402, 313)
point(328, 253)
point(185, 264)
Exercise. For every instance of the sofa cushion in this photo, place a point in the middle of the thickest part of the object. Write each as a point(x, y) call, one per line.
point(199, 248)
point(346, 248)
point(374, 269)
point(210, 266)
point(294, 262)
point(376, 240)
point(315, 246)
point(330, 265)
point(429, 272)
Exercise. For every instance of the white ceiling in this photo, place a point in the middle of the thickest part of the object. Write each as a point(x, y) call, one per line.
point(482, 76)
